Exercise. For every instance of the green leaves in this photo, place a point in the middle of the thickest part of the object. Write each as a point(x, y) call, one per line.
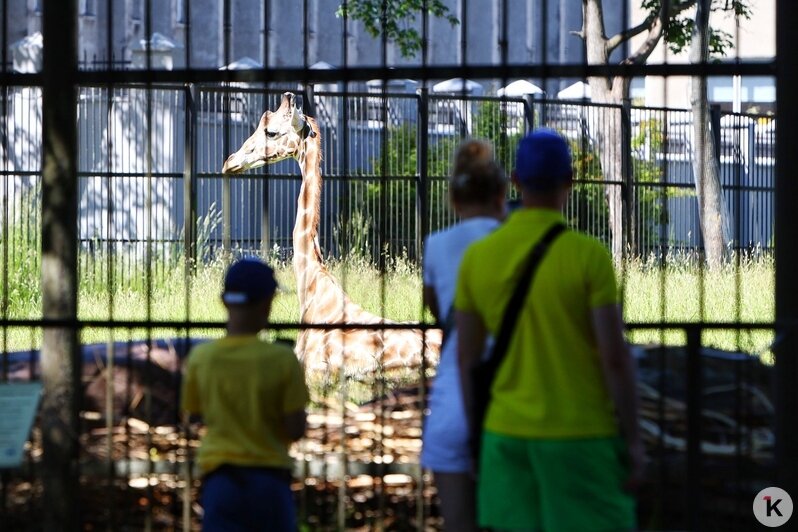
point(678, 33)
point(396, 19)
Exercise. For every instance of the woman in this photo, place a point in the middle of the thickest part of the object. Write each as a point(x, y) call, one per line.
point(477, 193)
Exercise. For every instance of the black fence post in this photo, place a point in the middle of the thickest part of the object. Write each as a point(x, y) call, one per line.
point(786, 249)
point(714, 121)
point(422, 164)
point(529, 110)
point(628, 186)
point(694, 419)
point(227, 220)
point(189, 190)
point(60, 359)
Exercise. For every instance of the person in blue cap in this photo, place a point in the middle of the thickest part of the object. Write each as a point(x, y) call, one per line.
point(251, 395)
point(560, 444)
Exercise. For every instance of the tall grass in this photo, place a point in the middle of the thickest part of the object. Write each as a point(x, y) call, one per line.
point(682, 291)
point(118, 287)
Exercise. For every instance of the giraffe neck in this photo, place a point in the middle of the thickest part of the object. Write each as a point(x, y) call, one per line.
point(307, 256)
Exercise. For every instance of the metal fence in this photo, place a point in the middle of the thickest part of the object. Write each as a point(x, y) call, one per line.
point(151, 204)
point(358, 466)
point(143, 177)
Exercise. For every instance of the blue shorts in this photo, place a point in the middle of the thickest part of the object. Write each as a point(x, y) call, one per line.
point(248, 498)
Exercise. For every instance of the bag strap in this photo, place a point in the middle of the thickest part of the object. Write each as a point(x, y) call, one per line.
point(512, 311)
point(448, 326)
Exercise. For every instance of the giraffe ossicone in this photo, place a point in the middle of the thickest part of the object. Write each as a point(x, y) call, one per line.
point(288, 133)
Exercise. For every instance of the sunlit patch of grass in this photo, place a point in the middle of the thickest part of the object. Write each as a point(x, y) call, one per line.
point(679, 291)
point(741, 291)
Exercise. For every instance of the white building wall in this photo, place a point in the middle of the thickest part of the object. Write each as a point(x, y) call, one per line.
point(753, 39)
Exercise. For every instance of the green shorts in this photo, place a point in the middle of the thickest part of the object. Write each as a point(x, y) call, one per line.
point(553, 485)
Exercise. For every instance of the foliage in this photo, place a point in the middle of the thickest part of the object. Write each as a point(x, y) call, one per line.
point(504, 130)
point(20, 254)
point(20, 267)
point(397, 195)
point(587, 203)
point(353, 235)
point(679, 31)
point(647, 142)
point(400, 159)
point(395, 19)
point(588, 210)
point(207, 227)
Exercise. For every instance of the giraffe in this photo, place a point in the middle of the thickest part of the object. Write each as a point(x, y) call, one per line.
point(288, 133)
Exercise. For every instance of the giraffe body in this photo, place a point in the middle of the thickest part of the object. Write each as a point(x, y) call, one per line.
point(288, 133)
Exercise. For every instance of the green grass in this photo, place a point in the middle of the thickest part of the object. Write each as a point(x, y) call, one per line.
point(742, 291)
point(680, 292)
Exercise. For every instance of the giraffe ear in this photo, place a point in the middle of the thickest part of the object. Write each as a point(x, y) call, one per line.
point(307, 131)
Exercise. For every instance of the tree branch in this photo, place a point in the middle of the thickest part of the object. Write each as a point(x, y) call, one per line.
point(654, 24)
point(640, 55)
point(617, 39)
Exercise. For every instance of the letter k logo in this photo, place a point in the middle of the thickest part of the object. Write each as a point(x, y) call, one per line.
point(772, 506)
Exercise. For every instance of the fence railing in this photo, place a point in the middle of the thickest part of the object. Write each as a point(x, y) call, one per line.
point(151, 184)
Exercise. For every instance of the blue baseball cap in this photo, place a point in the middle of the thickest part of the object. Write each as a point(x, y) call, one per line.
point(248, 280)
point(543, 160)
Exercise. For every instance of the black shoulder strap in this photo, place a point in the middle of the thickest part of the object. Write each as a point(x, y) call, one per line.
point(448, 326)
point(513, 308)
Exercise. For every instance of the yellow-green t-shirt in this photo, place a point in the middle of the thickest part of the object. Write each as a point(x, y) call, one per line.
point(550, 384)
point(242, 387)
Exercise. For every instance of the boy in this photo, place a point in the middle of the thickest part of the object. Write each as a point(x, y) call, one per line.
point(251, 395)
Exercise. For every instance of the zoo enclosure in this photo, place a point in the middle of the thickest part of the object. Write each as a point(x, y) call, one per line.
point(145, 499)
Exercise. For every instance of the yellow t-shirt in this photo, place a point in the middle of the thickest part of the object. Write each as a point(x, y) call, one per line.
point(242, 387)
point(550, 384)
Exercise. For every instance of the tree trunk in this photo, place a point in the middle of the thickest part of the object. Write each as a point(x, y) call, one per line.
point(606, 129)
point(712, 209)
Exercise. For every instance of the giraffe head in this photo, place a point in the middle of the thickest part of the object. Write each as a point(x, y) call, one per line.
point(279, 135)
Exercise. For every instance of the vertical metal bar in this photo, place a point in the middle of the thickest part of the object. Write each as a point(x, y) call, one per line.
point(422, 168)
point(4, 235)
point(786, 249)
point(694, 406)
point(422, 229)
point(714, 123)
point(110, 283)
point(628, 190)
point(463, 32)
point(529, 111)
point(189, 190)
point(4, 214)
point(226, 189)
point(60, 370)
point(345, 132)
point(737, 190)
point(148, 264)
